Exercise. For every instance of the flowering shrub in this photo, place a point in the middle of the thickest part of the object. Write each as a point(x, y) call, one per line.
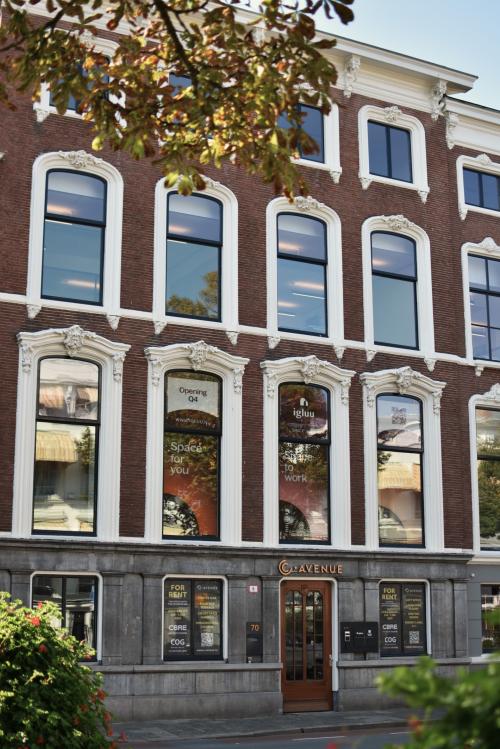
point(48, 698)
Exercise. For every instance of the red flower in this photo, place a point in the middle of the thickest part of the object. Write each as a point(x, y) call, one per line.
point(101, 694)
point(109, 732)
point(39, 605)
point(35, 620)
point(43, 648)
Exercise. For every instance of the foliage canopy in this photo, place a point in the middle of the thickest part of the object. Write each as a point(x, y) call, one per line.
point(244, 69)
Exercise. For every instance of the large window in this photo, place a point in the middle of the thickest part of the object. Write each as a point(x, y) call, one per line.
point(490, 613)
point(484, 287)
point(402, 619)
point(76, 599)
point(193, 428)
point(389, 151)
point(194, 241)
point(488, 475)
point(192, 619)
point(313, 125)
point(399, 470)
point(302, 259)
point(73, 103)
point(73, 242)
point(394, 283)
point(482, 189)
point(67, 435)
point(304, 459)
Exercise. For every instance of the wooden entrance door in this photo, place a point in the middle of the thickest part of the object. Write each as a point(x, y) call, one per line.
point(306, 645)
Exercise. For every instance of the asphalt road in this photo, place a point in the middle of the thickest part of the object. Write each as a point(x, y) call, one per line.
point(367, 739)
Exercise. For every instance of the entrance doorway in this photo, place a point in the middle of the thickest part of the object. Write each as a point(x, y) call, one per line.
point(306, 645)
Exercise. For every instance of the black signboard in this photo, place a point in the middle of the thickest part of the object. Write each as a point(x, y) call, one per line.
point(413, 609)
point(177, 619)
point(207, 618)
point(359, 637)
point(390, 619)
point(254, 642)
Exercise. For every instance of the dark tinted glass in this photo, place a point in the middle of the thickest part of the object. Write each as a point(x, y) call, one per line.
point(394, 312)
point(74, 195)
point(303, 412)
point(477, 272)
point(399, 422)
point(177, 619)
point(72, 261)
point(400, 145)
point(68, 389)
point(192, 279)
point(377, 148)
point(490, 191)
point(301, 237)
point(301, 297)
point(313, 126)
point(487, 432)
point(472, 187)
point(400, 499)
point(303, 491)
point(192, 401)
point(194, 217)
point(393, 253)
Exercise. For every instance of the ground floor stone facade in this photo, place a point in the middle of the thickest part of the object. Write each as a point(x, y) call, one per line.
point(248, 678)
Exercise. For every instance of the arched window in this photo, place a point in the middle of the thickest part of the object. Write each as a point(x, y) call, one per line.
point(399, 470)
point(194, 242)
point(191, 455)
point(73, 242)
point(67, 437)
point(304, 463)
point(302, 259)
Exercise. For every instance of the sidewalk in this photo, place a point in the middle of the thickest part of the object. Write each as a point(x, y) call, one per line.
point(163, 730)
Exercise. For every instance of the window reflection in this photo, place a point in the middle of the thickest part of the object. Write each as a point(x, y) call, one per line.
point(75, 598)
point(484, 299)
point(482, 189)
point(490, 612)
point(488, 475)
point(65, 478)
point(389, 151)
point(313, 125)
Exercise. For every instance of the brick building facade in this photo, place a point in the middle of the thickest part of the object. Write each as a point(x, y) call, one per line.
point(361, 587)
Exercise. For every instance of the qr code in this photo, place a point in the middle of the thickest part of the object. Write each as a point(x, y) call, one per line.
point(207, 639)
point(414, 638)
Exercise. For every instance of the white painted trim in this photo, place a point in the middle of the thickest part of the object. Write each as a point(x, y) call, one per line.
point(198, 357)
point(42, 106)
point(224, 622)
point(309, 369)
point(331, 145)
point(87, 164)
point(58, 573)
point(488, 249)
point(405, 381)
point(481, 163)
point(229, 257)
point(334, 619)
point(395, 117)
point(490, 399)
point(428, 608)
point(401, 225)
point(110, 356)
point(335, 309)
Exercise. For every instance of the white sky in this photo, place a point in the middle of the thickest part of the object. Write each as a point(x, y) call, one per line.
point(461, 34)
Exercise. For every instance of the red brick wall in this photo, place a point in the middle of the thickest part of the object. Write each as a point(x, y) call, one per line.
point(23, 139)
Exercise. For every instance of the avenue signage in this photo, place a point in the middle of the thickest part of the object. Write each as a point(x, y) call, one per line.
point(285, 568)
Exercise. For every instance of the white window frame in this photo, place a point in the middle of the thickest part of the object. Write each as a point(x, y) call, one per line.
point(224, 619)
point(308, 207)
point(408, 382)
point(481, 163)
point(196, 357)
point(428, 618)
point(229, 259)
point(331, 146)
point(487, 249)
point(83, 163)
point(79, 573)
point(400, 225)
point(490, 399)
point(43, 108)
point(309, 370)
point(393, 116)
point(83, 344)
